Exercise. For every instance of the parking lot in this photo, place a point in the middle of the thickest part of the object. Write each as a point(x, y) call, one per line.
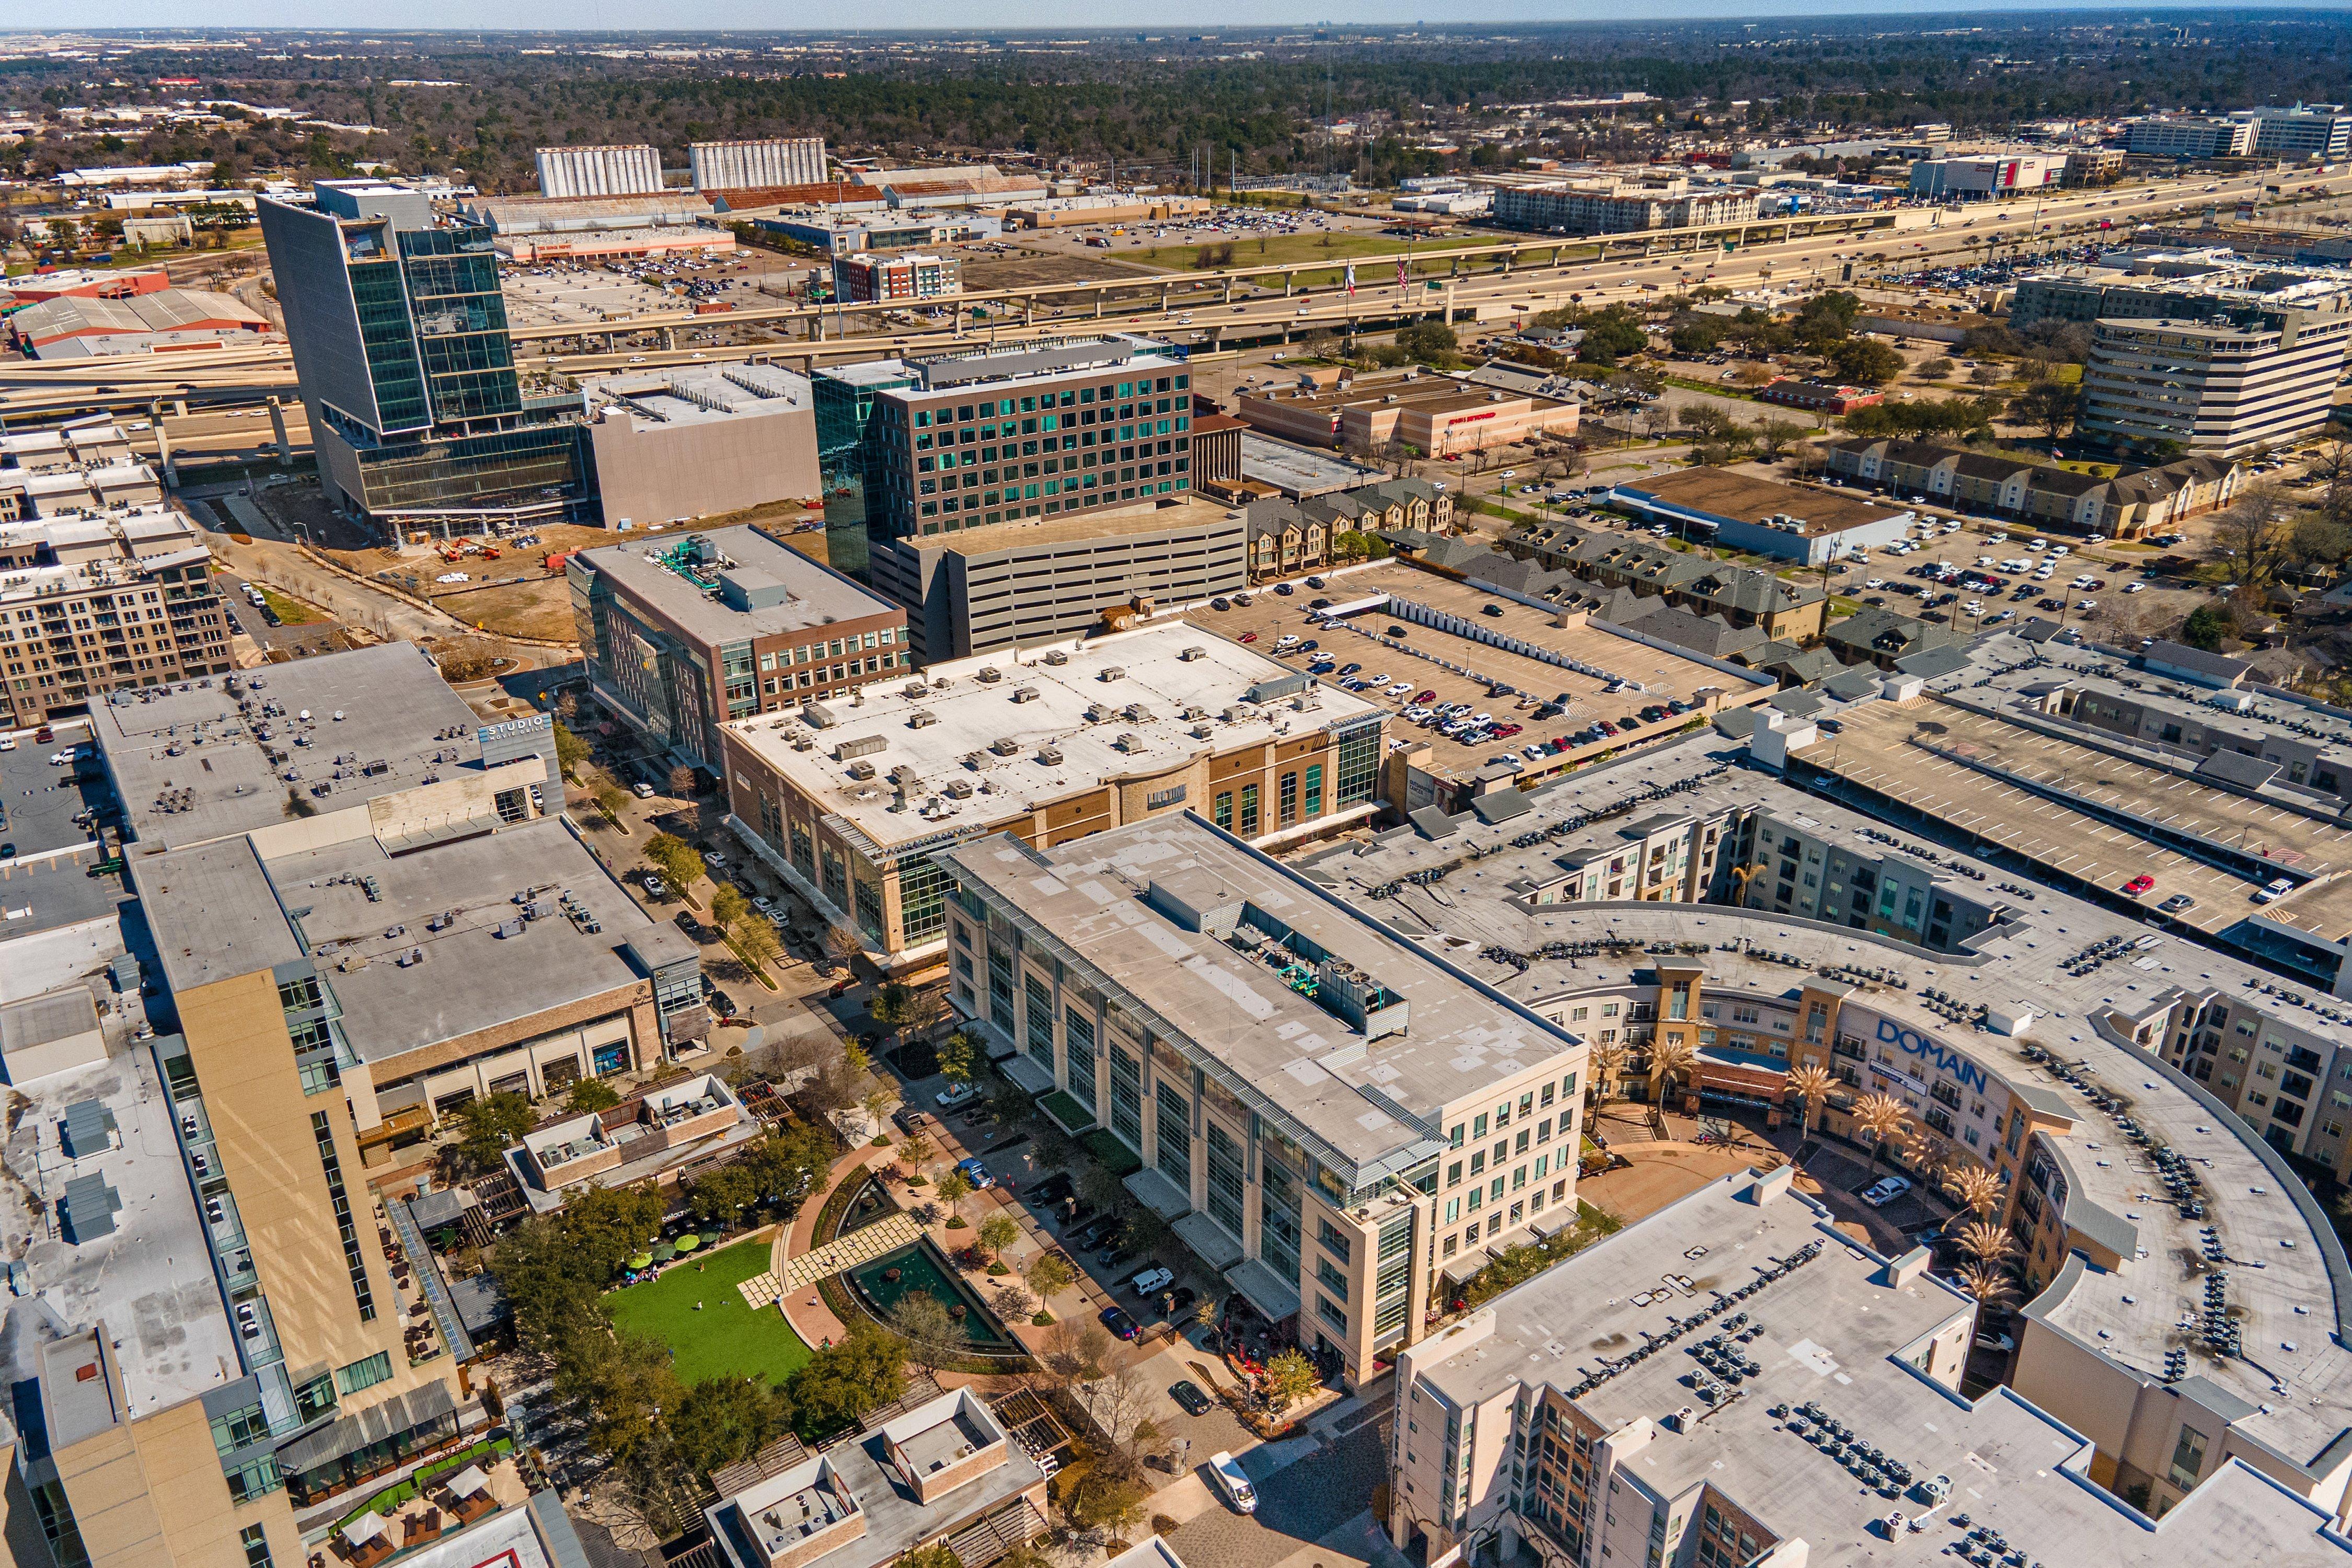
point(1451, 667)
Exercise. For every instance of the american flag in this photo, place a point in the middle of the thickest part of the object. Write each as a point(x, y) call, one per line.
point(1399, 271)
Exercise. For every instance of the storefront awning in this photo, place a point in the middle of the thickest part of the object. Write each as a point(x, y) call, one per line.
point(1274, 1297)
point(1159, 1194)
point(419, 1406)
point(1028, 1076)
point(1460, 1270)
point(1209, 1241)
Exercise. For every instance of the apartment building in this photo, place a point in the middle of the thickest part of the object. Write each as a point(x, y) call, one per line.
point(681, 637)
point(95, 603)
point(1784, 610)
point(2188, 136)
point(977, 590)
point(1600, 207)
point(2214, 387)
point(904, 277)
point(1313, 1096)
point(2134, 503)
point(853, 802)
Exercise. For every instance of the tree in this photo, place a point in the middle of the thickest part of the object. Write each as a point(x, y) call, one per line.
point(1978, 1190)
point(679, 863)
point(609, 797)
point(936, 1555)
point(1774, 436)
point(1812, 1083)
point(1050, 1274)
point(681, 780)
point(1433, 342)
point(997, 1232)
point(570, 750)
point(1883, 1117)
point(891, 999)
point(958, 1057)
point(2205, 626)
point(2252, 534)
point(720, 1196)
point(1866, 362)
point(728, 905)
point(727, 1418)
point(1101, 1187)
point(922, 1320)
point(952, 1187)
point(844, 944)
point(1986, 1285)
point(1607, 1060)
point(1986, 1243)
point(2050, 404)
point(592, 1094)
point(622, 1382)
point(1289, 1378)
point(756, 943)
point(844, 1380)
point(1670, 1058)
point(487, 1126)
point(605, 1227)
point(554, 1300)
point(1074, 1349)
point(789, 1165)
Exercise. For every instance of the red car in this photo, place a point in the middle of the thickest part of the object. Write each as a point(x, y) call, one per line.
point(1430, 696)
point(2139, 885)
point(1249, 637)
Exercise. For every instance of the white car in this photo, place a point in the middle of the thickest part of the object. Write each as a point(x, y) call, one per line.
point(2277, 888)
point(2135, 587)
point(2087, 604)
point(1226, 1472)
point(1886, 1190)
point(645, 792)
point(955, 1094)
point(1152, 1280)
point(1400, 688)
point(65, 758)
point(1875, 583)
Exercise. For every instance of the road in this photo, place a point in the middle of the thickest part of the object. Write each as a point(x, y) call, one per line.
point(1314, 1497)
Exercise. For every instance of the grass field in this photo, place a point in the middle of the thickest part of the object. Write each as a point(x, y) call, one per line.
point(290, 612)
point(1322, 257)
point(726, 1338)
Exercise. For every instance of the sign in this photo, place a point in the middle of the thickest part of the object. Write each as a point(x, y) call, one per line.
point(1944, 1059)
point(1469, 418)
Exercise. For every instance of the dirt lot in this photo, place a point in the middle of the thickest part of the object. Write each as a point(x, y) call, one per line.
point(1458, 669)
point(1031, 269)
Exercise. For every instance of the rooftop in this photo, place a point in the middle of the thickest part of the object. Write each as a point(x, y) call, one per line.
point(775, 590)
point(656, 398)
point(1035, 362)
point(1110, 522)
point(1838, 1331)
point(1298, 471)
point(1211, 943)
point(1721, 492)
point(976, 741)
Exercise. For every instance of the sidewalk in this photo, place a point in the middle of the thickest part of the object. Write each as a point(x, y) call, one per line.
point(803, 1309)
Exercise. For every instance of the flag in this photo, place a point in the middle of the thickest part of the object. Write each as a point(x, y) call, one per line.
point(1399, 271)
point(1352, 278)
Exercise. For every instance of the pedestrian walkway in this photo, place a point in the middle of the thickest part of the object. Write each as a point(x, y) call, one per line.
point(887, 1234)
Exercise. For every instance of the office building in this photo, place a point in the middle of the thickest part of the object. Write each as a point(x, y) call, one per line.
point(906, 277)
point(988, 436)
point(2306, 131)
point(686, 442)
point(850, 801)
point(2175, 283)
point(1440, 418)
point(1599, 207)
point(2216, 386)
point(2188, 136)
point(166, 321)
point(599, 170)
point(2134, 503)
point(94, 603)
point(1985, 175)
point(399, 337)
point(981, 589)
point(1314, 1097)
point(738, 165)
point(682, 635)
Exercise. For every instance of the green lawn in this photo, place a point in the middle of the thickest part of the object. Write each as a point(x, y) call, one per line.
point(727, 1338)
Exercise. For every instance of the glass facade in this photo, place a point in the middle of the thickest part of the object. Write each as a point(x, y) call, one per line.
point(460, 323)
point(1280, 1232)
point(1175, 1135)
point(1224, 1195)
point(1358, 766)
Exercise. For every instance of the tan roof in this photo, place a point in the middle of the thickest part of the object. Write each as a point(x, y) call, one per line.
point(1751, 499)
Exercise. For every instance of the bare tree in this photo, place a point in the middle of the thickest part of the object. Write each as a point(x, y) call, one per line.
point(2253, 535)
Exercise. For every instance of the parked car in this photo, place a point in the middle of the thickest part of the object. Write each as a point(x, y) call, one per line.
point(2177, 902)
point(1120, 1323)
point(2277, 888)
point(976, 1173)
point(2139, 885)
point(1152, 1280)
point(1886, 1190)
point(1226, 1472)
point(1052, 1190)
point(655, 886)
point(956, 1094)
point(643, 791)
point(2003, 1343)
point(1189, 1397)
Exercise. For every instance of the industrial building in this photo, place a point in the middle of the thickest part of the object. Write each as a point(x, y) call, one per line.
point(167, 320)
point(102, 601)
point(1794, 523)
point(598, 171)
point(739, 165)
point(2217, 386)
point(510, 216)
point(978, 590)
point(681, 636)
point(1302, 1084)
point(1602, 207)
point(904, 277)
point(686, 442)
point(850, 801)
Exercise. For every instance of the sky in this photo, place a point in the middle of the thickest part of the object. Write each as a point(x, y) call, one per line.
point(991, 15)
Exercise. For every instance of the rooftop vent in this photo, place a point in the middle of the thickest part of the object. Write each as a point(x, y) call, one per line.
point(1024, 694)
point(1136, 713)
point(1113, 672)
point(1056, 656)
point(1097, 713)
point(1189, 654)
point(913, 689)
point(1004, 746)
point(1050, 755)
point(921, 719)
point(988, 674)
point(1129, 741)
point(960, 789)
point(861, 771)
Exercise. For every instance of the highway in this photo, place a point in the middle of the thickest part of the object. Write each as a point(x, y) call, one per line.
point(1216, 309)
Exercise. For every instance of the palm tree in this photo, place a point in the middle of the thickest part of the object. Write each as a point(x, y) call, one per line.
point(1988, 1244)
point(1812, 1081)
point(1986, 1284)
point(1670, 1058)
point(1608, 1059)
point(1978, 1190)
point(1883, 1117)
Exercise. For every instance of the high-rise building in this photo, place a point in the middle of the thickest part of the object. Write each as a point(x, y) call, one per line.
point(745, 165)
point(599, 170)
point(2306, 130)
point(2220, 385)
point(399, 336)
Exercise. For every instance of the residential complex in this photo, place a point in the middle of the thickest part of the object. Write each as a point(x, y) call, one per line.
point(599, 170)
point(2216, 385)
point(901, 277)
point(681, 637)
point(1600, 207)
point(850, 802)
point(107, 600)
point(1306, 1087)
point(2135, 503)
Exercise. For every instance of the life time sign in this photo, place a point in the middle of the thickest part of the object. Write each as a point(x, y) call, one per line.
point(1911, 1043)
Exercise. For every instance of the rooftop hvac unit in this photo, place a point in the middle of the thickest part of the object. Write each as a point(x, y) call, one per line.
point(1004, 746)
point(905, 776)
point(921, 719)
point(861, 770)
point(1136, 713)
point(1129, 743)
point(912, 689)
point(989, 674)
point(1191, 712)
point(1050, 755)
point(1113, 672)
point(1097, 713)
point(1024, 694)
point(1189, 654)
point(1056, 656)
point(960, 789)
point(864, 745)
point(1202, 731)
point(1234, 715)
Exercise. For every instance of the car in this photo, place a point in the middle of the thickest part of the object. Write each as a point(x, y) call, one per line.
point(65, 758)
point(1189, 1397)
point(2177, 902)
point(1152, 1279)
point(655, 886)
point(1249, 637)
point(1285, 589)
point(1350, 668)
point(1226, 1472)
point(1430, 696)
point(2002, 1343)
point(1396, 631)
point(2139, 885)
point(1886, 1190)
point(1120, 1323)
point(2277, 888)
point(1220, 603)
point(643, 791)
point(721, 1004)
point(975, 1172)
point(1053, 1189)
point(1319, 603)
point(955, 1094)
point(2135, 587)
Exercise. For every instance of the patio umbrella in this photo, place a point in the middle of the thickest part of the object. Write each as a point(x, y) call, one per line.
point(469, 1482)
point(689, 1242)
point(663, 1252)
point(363, 1529)
point(642, 1260)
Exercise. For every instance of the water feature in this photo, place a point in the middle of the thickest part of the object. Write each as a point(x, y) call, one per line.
point(921, 1267)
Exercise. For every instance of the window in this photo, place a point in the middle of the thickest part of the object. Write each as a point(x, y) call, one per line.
point(1330, 1279)
point(1175, 1134)
point(1249, 811)
point(365, 1373)
point(237, 1427)
point(1223, 814)
point(1333, 1242)
point(1335, 1316)
point(2188, 1458)
point(255, 1544)
point(1314, 806)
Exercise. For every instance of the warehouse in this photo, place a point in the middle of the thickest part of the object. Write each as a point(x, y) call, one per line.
point(76, 327)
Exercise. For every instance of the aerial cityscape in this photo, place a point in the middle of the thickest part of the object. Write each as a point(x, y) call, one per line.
point(1266, 851)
